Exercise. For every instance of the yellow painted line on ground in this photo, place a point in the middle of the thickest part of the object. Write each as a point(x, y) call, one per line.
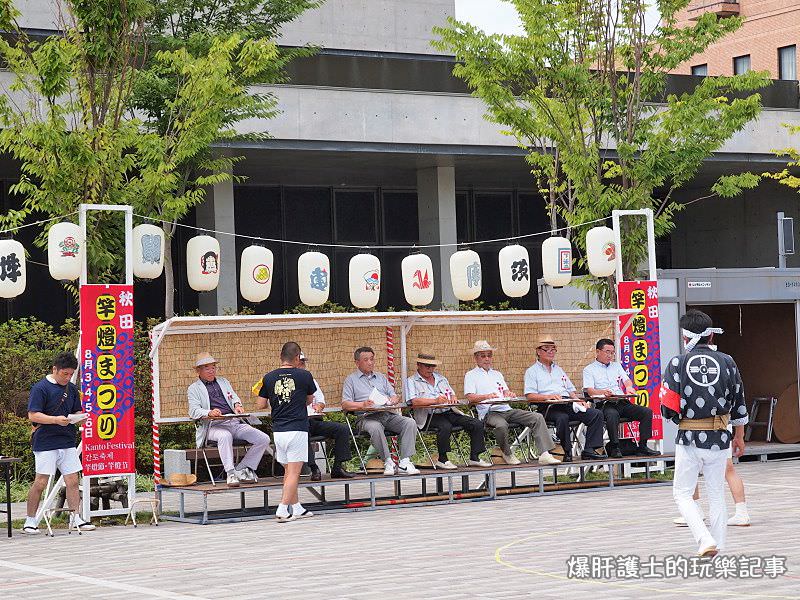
point(498, 556)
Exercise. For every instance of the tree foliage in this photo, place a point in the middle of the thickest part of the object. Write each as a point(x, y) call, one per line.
point(582, 90)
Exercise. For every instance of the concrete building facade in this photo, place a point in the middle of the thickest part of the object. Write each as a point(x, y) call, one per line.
point(378, 146)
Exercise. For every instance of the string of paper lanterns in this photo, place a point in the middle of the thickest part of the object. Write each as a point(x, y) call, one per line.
point(66, 247)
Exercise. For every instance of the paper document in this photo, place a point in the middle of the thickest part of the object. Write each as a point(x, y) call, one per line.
point(77, 417)
point(377, 398)
point(578, 407)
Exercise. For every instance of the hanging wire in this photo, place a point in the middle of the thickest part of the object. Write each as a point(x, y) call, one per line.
point(11, 229)
point(378, 247)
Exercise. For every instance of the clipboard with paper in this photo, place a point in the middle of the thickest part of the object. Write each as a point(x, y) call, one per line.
point(378, 399)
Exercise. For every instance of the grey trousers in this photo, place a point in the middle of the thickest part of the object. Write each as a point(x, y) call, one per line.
point(225, 432)
point(500, 422)
point(376, 424)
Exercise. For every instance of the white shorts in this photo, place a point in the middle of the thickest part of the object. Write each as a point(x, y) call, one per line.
point(65, 460)
point(291, 446)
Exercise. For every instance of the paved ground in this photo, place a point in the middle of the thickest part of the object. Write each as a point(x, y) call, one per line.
point(510, 548)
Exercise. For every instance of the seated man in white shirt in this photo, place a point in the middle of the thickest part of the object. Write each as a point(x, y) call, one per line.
point(483, 383)
point(545, 381)
point(426, 388)
point(606, 377)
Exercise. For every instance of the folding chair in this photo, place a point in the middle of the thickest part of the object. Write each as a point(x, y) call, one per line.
point(207, 444)
point(435, 430)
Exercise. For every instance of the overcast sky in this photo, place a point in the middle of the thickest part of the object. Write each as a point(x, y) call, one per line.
point(495, 16)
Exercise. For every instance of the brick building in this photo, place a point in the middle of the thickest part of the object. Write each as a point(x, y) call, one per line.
point(767, 40)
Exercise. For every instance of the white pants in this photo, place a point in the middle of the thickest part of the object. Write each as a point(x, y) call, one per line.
point(225, 432)
point(689, 463)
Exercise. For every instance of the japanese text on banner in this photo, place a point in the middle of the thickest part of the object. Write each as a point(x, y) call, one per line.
point(640, 351)
point(107, 379)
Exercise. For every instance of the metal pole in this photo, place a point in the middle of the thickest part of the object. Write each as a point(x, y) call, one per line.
point(781, 243)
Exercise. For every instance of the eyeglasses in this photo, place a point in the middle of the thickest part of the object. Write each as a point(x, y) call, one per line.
point(547, 348)
point(611, 351)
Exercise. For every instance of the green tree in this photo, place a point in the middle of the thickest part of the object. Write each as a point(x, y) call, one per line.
point(191, 28)
point(582, 90)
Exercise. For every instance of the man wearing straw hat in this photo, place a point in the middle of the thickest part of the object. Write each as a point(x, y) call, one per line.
point(546, 382)
point(364, 388)
point(212, 396)
point(427, 388)
point(702, 392)
point(484, 384)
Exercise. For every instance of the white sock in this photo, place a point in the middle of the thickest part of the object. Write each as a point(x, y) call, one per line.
point(283, 510)
point(389, 463)
point(30, 521)
point(404, 462)
point(741, 510)
point(297, 509)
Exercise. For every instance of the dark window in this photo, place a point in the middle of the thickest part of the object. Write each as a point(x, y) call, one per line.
point(308, 215)
point(700, 70)
point(355, 217)
point(493, 215)
point(463, 220)
point(787, 62)
point(533, 217)
point(400, 217)
point(741, 64)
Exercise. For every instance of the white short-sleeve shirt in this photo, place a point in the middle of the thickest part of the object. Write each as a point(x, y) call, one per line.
point(540, 380)
point(481, 381)
point(605, 377)
point(319, 398)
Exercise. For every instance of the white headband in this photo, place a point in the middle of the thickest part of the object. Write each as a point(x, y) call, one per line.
point(695, 337)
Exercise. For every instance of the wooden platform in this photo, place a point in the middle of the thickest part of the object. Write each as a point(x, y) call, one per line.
point(371, 492)
point(769, 450)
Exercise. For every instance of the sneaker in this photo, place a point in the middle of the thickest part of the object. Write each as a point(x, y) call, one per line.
point(708, 550)
point(388, 468)
point(545, 458)
point(297, 516)
point(739, 521)
point(80, 524)
point(233, 480)
point(246, 475)
point(30, 530)
point(408, 469)
point(511, 459)
point(445, 465)
point(479, 463)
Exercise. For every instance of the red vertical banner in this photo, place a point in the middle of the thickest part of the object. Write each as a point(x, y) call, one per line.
point(107, 379)
point(640, 348)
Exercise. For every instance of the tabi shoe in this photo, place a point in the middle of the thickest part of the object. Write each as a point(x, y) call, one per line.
point(283, 518)
point(591, 455)
point(445, 465)
point(511, 459)
point(739, 521)
point(407, 469)
point(645, 451)
point(479, 463)
point(297, 516)
point(388, 468)
point(545, 458)
point(341, 473)
point(614, 452)
point(233, 480)
point(78, 523)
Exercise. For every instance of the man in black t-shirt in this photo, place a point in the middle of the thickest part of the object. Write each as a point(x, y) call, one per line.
point(289, 390)
point(51, 400)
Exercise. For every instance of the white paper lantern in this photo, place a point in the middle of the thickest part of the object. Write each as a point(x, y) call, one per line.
point(365, 280)
point(557, 261)
point(255, 273)
point(515, 271)
point(65, 250)
point(601, 251)
point(465, 274)
point(313, 278)
point(148, 251)
point(417, 273)
point(13, 273)
point(202, 263)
